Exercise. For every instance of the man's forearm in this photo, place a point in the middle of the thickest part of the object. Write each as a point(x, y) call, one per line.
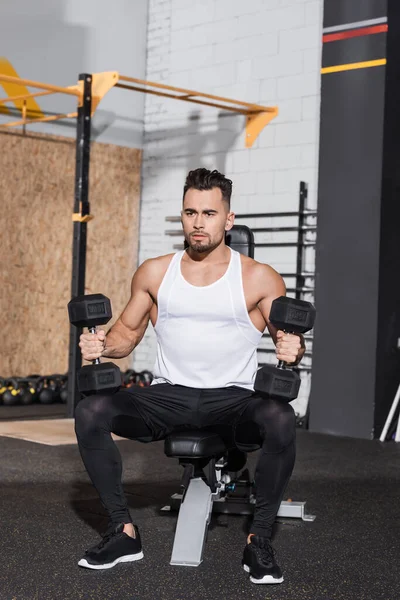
point(117, 345)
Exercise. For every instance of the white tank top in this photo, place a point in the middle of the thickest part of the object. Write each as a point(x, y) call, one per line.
point(205, 337)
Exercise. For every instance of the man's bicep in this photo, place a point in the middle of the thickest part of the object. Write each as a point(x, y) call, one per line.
point(136, 314)
point(273, 287)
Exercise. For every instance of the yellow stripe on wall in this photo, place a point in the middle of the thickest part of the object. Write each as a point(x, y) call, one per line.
point(351, 66)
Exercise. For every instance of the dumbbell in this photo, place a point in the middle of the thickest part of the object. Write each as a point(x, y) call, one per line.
point(90, 311)
point(291, 316)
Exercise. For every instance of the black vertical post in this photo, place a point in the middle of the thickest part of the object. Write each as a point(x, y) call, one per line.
point(387, 349)
point(302, 422)
point(300, 280)
point(81, 209)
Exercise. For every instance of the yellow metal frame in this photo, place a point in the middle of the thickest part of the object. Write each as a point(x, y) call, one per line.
point(257, 116)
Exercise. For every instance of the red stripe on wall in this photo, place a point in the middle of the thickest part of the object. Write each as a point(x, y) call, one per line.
point(343, 35)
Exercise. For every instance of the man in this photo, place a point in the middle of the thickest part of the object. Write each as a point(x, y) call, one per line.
point(209, 306)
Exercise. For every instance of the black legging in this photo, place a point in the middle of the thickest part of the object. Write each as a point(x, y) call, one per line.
point(261, 423)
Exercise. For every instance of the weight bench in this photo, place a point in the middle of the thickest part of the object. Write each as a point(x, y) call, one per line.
point(213, 480)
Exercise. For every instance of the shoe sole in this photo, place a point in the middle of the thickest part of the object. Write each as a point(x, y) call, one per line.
point(266, 579)
point(127, 558)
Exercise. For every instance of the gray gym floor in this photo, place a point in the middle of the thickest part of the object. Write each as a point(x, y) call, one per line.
point(49, 514)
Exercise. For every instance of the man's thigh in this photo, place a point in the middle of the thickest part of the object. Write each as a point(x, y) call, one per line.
point(247, 434)
point(229, 412)
point(163, 408)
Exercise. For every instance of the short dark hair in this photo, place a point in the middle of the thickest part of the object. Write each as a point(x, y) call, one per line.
point(203, 179)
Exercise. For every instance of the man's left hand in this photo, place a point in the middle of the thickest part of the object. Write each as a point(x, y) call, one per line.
point(289, 347)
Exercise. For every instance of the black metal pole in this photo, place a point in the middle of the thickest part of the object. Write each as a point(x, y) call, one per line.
point(300, 279)
point(81, 209)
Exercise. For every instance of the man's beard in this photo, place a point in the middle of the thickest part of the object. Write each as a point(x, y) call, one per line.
point(201, 246)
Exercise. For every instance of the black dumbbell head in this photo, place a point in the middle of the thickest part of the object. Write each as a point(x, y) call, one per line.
point(89, 310)
point(104, 377)
point(292, 315)
point(277, 383)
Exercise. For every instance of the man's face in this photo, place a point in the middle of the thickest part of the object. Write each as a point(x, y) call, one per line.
point(205, 218)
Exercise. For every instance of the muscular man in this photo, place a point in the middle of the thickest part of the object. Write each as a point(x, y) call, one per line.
point(209, 306)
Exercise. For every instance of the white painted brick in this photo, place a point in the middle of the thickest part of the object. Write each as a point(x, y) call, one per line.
point(158, 41)
point(159, 13)
point(309, 155)
point(239, 8)
point(243, 71)
point(268, 91)
point(206, 33)
point(223, 31)
point(275, 158)
point(191, 16)
point(268, 20)
point(287, 181)
point(293, 134)
point(266, 138)
point(180, 40)
point(154, 60)
point(264, 181)
point(278, 66)
point(261, 45)
point(313, 12)
point(157, 74)
point(274, 202)
point(245, 184)
point(289, 110)
point(310, 107)
point(241, 161)
point(176, 4)
point(239, 202)
point(244, 92)
point(299, 86)
point(191, 58)
point(159, 3)
point(312, 60)
point(207, 78)
point(181, 79)
point(159, 23)
point(157, 7)
point(249, 25)
point(287, 18)
point(299, 39)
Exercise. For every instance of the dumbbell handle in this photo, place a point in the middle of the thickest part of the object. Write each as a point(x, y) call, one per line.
point(281, 363)
point(96, 361)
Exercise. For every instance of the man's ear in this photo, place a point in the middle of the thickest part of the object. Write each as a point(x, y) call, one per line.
point(230, 220)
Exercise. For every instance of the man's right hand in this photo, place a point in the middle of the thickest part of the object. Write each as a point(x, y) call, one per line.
point(92, 345)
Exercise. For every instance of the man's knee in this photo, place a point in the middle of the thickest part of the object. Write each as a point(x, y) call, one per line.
point(91, 413)
point(277, 423)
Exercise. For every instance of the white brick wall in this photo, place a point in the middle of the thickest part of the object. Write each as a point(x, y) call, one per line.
point(263, 51)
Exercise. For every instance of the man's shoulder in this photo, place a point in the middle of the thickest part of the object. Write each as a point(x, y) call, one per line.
point(159, 260)
point(157, 265)
point(254, 268)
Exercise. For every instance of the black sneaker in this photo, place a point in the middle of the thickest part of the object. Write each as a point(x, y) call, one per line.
point(115, 547)
point(259, 561)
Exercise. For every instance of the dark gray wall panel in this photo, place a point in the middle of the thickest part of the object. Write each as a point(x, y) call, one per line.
point(337, 12)
point(347, 253)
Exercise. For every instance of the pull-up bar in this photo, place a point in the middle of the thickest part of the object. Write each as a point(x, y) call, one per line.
point(257, 116)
